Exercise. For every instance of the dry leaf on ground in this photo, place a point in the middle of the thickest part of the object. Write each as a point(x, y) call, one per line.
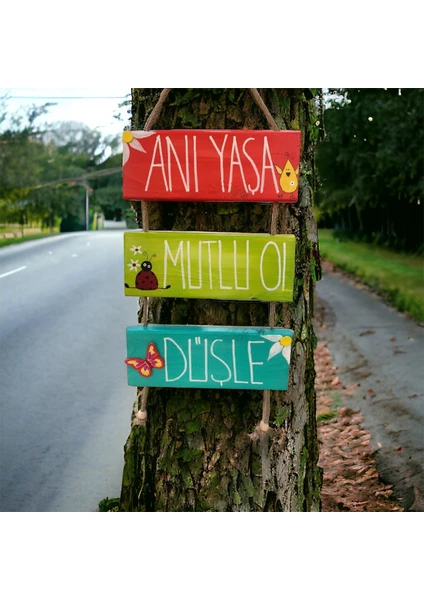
point(350, 479)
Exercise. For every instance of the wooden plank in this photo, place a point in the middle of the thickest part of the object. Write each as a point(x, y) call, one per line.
point(211, 165)
point(195, 356)
point(223, 266)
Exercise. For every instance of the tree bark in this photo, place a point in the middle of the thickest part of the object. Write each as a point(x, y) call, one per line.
point(202, 450)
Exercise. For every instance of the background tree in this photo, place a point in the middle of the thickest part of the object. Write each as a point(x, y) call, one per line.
point(77, 150)
point(32, 156)
point(108, 192)
point(202, 450)
point(371, 166)
point(22, 156)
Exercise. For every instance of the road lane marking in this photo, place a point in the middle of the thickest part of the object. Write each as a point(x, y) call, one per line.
point(11, 272)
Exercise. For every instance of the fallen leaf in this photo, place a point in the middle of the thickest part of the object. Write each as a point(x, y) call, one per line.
point(367, 332)
point(350, 479)
point(385, 493)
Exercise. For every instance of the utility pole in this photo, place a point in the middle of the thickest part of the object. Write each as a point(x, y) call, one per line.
point(88, 189)
point(86, 206)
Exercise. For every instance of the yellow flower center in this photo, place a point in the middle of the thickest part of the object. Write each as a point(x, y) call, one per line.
point(286, 340)
point(127, 137)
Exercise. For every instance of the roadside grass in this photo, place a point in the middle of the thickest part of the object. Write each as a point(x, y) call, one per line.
point(27, 238)
point(397, 277)
point(16, 234)
point(18, 230)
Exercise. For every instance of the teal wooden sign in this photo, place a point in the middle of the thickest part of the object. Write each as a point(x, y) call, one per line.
point(196, 356)
point(223, 266)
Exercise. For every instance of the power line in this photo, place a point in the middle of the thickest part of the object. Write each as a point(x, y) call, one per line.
point(79, 178)
point(66, 97)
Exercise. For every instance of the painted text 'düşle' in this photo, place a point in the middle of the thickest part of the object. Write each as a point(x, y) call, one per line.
point(208, 356)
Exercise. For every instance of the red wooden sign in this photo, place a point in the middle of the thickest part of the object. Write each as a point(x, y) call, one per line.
point(211, 165)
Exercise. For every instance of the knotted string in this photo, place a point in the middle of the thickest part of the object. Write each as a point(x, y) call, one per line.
point(266, 400)
point(152, 119)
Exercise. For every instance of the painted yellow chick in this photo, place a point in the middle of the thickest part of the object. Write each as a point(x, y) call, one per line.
point(288, 177)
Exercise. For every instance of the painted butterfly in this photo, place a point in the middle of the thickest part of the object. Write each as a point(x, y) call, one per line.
point(152, 361)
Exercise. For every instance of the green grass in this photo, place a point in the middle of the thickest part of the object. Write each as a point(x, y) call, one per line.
point(109, 505)
point(27, 238)
point(329, 416)
point(397, 277)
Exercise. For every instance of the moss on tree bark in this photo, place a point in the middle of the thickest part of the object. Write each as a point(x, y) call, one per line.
point(202, 450)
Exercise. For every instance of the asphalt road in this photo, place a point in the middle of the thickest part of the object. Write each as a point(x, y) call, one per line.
point(65, 405)
point(382, 351)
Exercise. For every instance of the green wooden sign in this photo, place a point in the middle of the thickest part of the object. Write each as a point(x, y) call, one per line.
point(196, 356)
point(224, 266)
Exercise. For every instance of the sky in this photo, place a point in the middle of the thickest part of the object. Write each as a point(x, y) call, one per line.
point(95, 107)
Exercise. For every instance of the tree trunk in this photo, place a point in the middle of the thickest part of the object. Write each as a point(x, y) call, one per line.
point(202, 450)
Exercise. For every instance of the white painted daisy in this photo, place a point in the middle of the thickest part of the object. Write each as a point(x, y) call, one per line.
point(136, 250)
point(130, 138)
point(134, 265)
point(282, 344)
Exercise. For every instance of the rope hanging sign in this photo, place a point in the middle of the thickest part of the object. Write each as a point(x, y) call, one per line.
point(218, 166)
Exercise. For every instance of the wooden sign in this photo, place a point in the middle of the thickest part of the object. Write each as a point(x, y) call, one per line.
point(194, 356)
point(223, 266)
point(211, 165)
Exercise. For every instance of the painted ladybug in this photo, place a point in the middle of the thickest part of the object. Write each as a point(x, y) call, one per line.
point(146, 279)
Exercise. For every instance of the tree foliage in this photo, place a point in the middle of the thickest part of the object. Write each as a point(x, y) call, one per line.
point(34, 156)
point(371, 166)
